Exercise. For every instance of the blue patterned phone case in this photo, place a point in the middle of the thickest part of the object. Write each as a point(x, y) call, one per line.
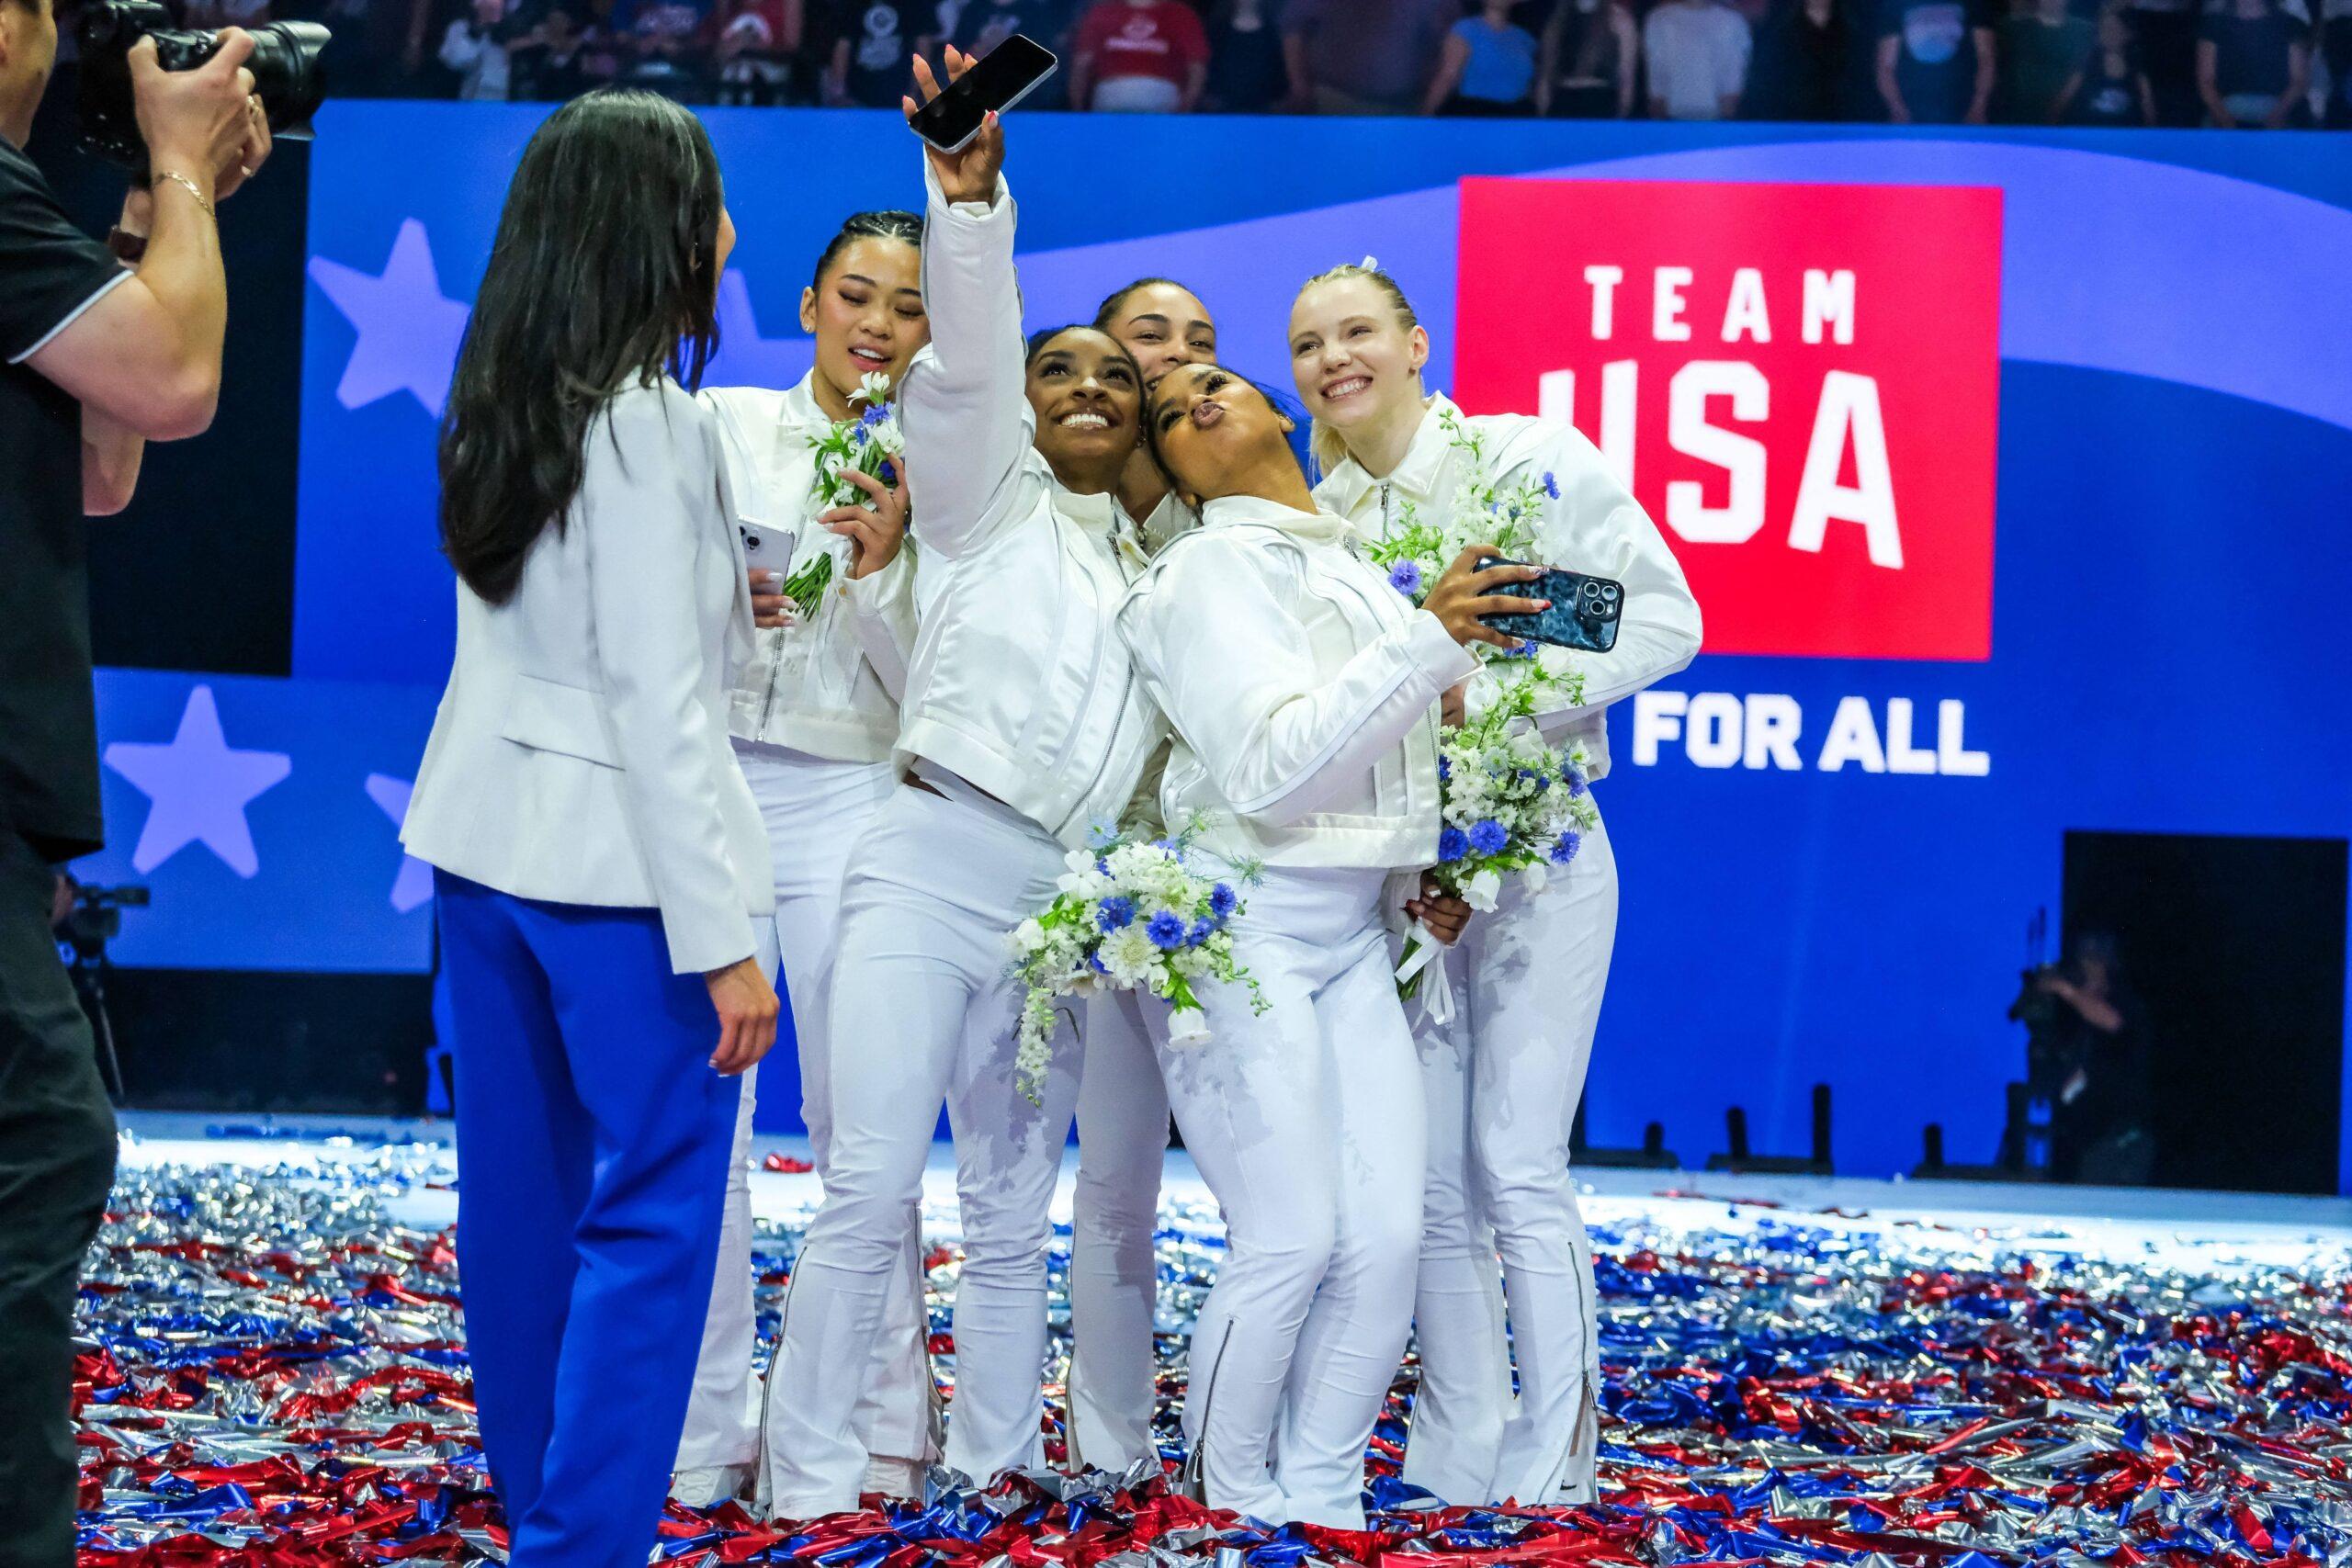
point(1584, 614)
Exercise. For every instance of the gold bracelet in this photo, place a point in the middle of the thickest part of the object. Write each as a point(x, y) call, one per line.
point(160, 175)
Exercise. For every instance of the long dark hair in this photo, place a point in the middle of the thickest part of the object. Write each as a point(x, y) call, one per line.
point(602, 275)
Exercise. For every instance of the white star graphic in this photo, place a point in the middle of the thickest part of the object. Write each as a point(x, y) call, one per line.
point(414, 885)
point(197, 787)
point(408, 332)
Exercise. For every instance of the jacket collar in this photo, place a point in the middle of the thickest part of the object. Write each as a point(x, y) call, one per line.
point(1101, 517)
point(1313, 527)
point(1416, 475)
point(799, 406)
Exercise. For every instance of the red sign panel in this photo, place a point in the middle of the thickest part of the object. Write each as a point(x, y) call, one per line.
point(1803, 381)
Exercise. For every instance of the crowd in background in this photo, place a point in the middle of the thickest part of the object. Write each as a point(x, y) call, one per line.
point(2112, 63)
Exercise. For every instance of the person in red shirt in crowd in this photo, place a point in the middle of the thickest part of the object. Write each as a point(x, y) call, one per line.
point(1139, 56)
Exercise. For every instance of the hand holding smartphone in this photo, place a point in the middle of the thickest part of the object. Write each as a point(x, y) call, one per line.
point(1585, 611)
point(950, 117)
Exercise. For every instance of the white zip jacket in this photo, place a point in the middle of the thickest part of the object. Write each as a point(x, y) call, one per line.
point(1595, 526)
point(1303, 690)
point(829, 685)
point(1018, 683)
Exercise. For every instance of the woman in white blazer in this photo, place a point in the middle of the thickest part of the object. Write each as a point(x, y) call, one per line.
point(813, 716)
point(1304, 693)
point(602, 874)
point(1023, 728)
point(1504, 1078)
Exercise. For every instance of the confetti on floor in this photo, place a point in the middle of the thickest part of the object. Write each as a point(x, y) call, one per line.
point(278, 1376)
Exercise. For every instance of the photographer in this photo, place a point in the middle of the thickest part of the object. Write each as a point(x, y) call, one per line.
point(103, 347)
point(2087, 1052)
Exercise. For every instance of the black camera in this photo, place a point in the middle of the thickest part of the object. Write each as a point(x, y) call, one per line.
point(285, 63)
point(96, 917)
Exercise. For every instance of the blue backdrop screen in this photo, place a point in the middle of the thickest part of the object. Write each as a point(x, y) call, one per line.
point(2173, 412)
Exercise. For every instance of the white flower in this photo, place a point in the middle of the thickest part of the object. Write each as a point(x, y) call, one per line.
point(1188, 1027)
point(1129, 954)
point(1482, 890)
point(873, 388)
point(889, 438)
point(1027, 938)
point(1537, 878)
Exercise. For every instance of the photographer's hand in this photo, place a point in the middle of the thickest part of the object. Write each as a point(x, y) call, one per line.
point(197, 124)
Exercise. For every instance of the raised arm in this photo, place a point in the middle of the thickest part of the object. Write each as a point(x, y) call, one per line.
point(1221, 650)
point(962, 403)
point(647, 496)
point(1595, 526)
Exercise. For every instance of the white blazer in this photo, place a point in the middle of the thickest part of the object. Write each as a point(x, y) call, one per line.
point(1018, 683)
point(1303, 690)
point(580, 755)
point(828, 685)
point(1595, 525)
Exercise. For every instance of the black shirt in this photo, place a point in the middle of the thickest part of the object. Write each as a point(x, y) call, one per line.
point(48, 734)
point(882, 35)
point(1246, 71)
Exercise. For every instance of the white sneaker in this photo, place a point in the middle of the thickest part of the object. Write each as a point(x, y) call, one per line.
point(894, 1477)
point(709, 1486)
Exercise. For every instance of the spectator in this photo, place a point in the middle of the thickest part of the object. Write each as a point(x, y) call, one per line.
point(2252, 65)
point(670, 41)
point(2336, 49)
point(755, 52)
point(1247, 75)
point(1800, 63)
point(983, 24)
point(547, 63)
point(2166, 33)
point(1487, 66)
point(1935, 60)
point(1697, 55)
point(475, 48)
point(2109, 89)
point(1139, 57)
point(1368, 57)
point(1590, 54)
point(2041, 45)
point(601, 43)
point(874, 45)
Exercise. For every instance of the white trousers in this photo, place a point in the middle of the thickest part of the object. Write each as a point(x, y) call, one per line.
point(922, 1010)
point(1502, 1081)
point(815, 810)
point(1306, 1122)
point(1114, 1273)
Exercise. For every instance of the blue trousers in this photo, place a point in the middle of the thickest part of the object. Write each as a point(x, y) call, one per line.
point(593, 1141)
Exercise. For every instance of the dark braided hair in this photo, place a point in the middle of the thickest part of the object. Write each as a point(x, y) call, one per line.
point(887, 224)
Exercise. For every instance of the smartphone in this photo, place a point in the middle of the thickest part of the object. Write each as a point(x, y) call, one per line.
point(1584, 614)
point(998, 80)
point(766, 549)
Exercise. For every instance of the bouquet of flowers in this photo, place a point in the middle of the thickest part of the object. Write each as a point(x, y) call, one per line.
point(1130, 912)
point(1510, 801)
point(865, 445)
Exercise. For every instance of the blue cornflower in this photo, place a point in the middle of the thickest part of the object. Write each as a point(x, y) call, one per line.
point(1406, 578)
point(1453, 844)
point(1094, 961)
point(1203, 928)
point(1551, 485)
point(1445, 771)
point(1115, 913)
point(1223, 900)
point(875, 414)
point(1166, 929)
point(1487, 837)
point(1102, 865)
point(1566, 849)
point(1575, 781)
point(1526, 650)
